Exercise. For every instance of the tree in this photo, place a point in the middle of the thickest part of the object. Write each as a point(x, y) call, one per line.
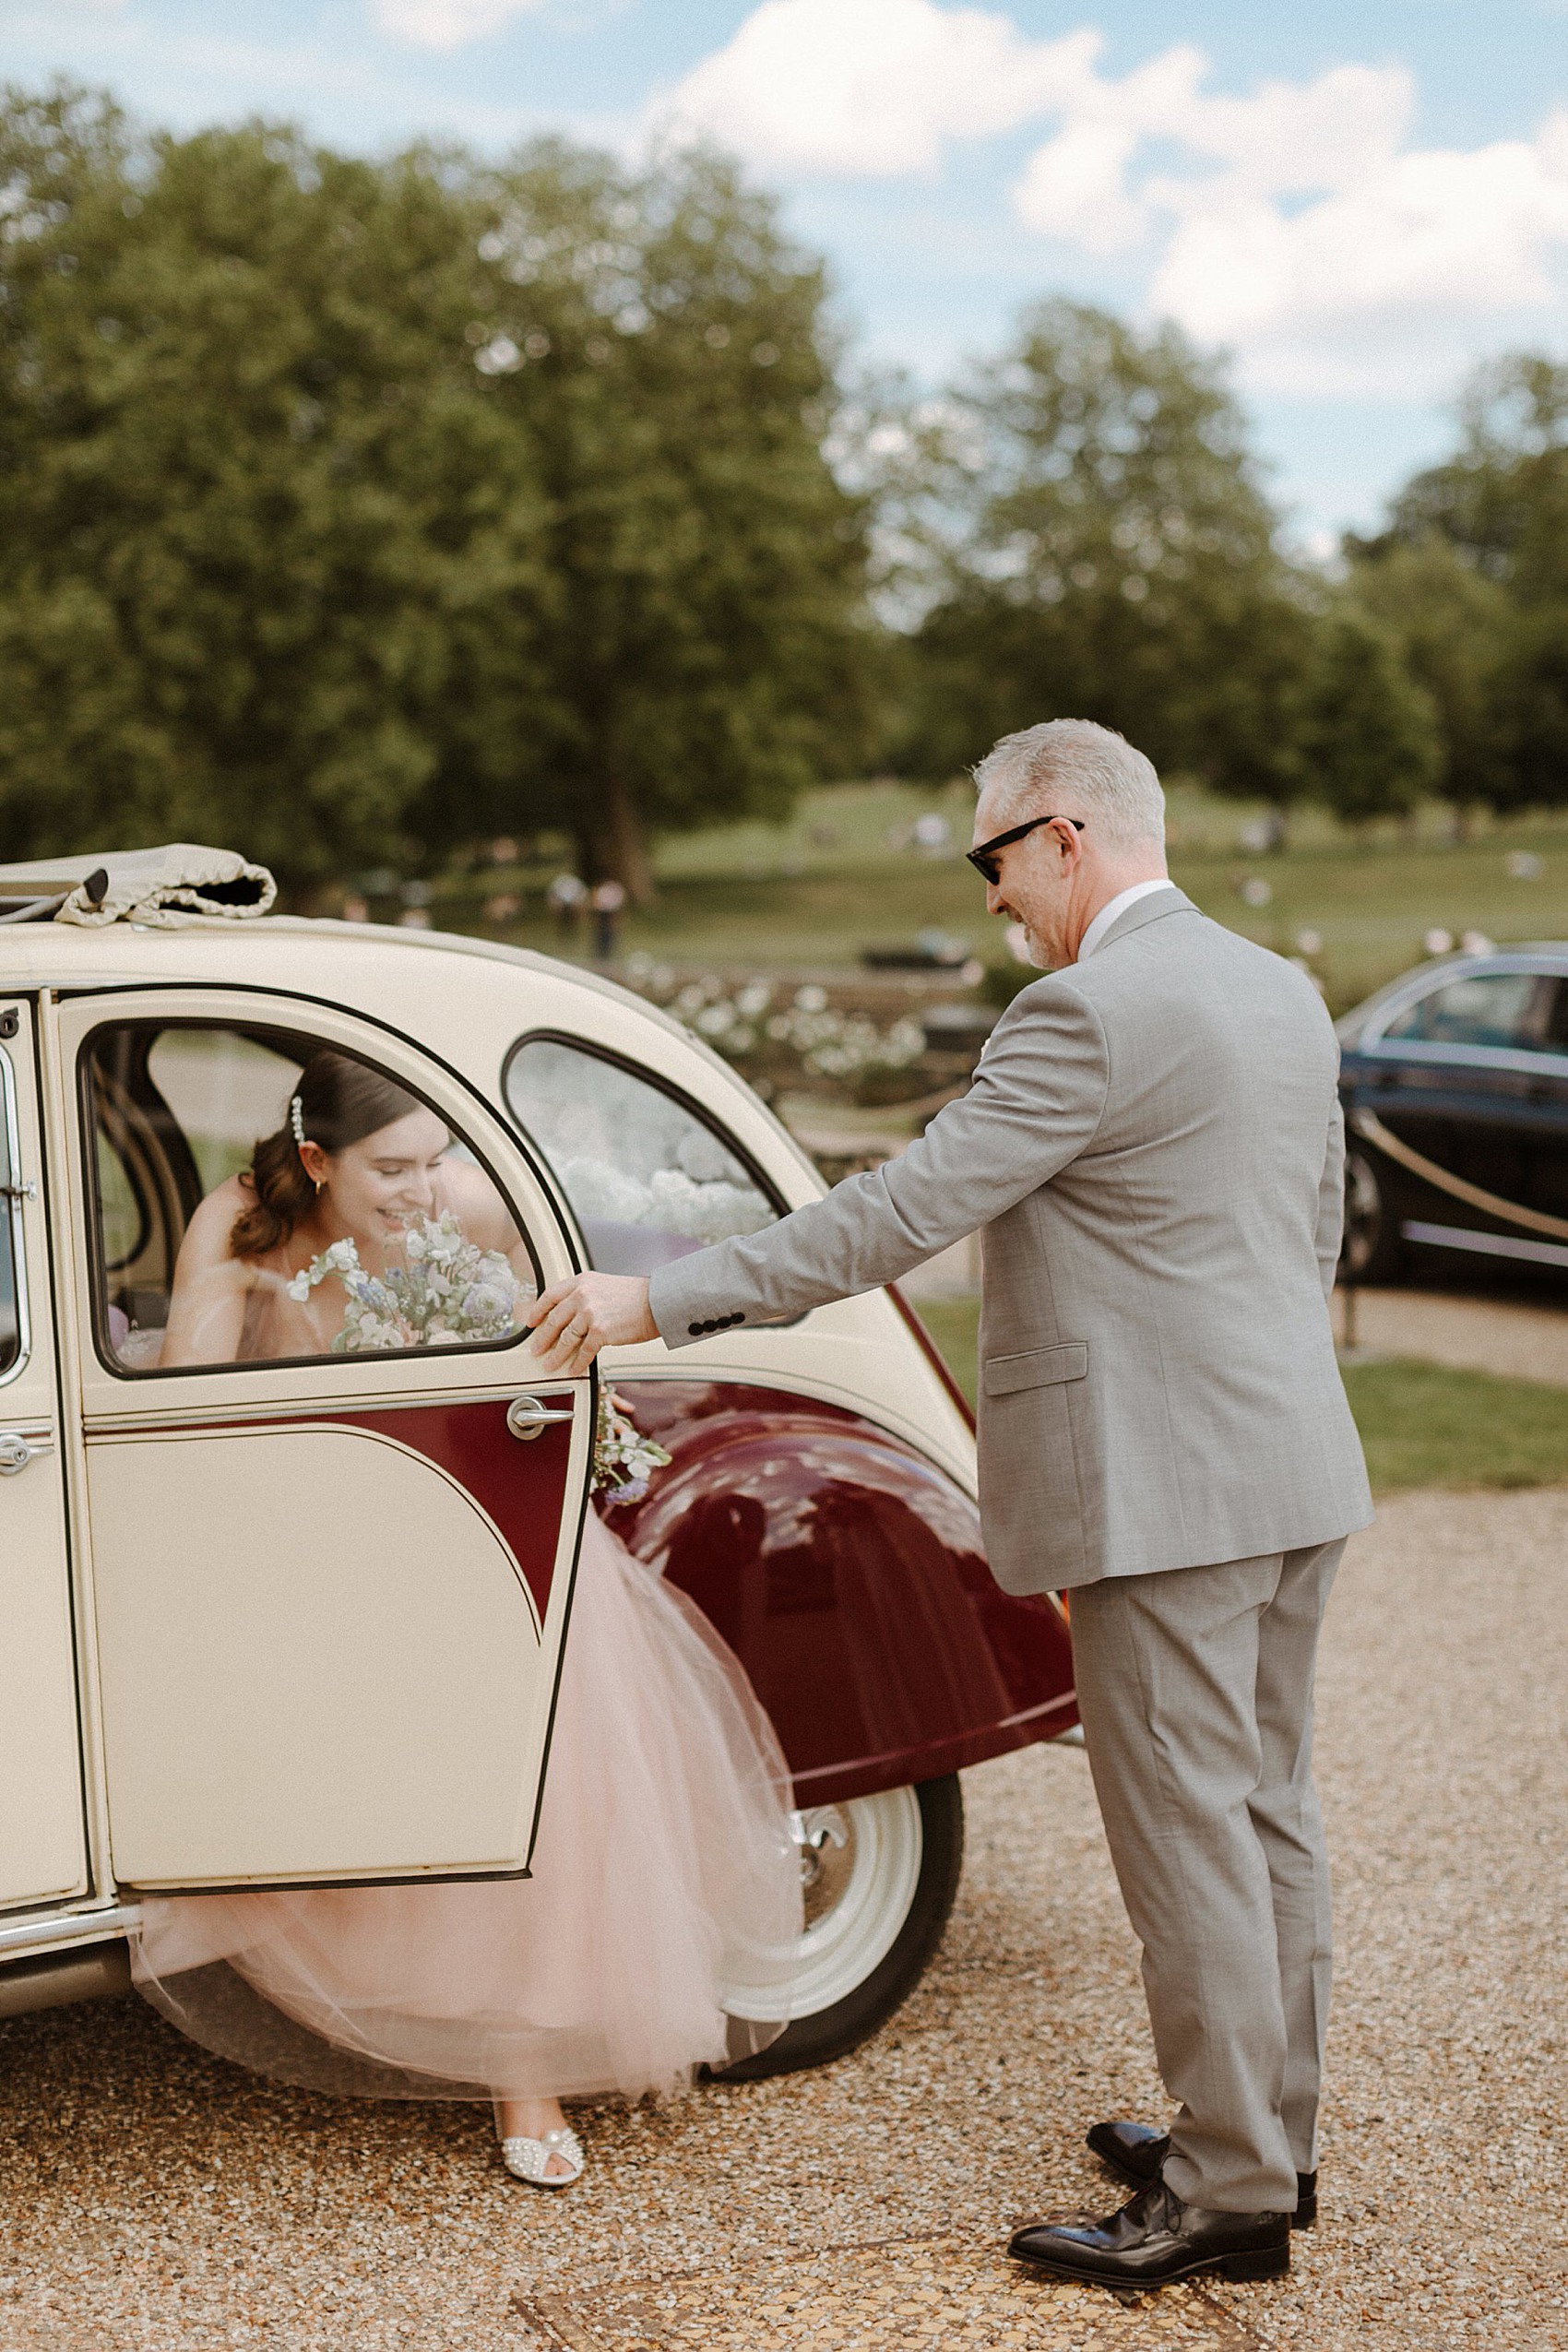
point(1479, 545)
point(256, 507)
point(665, 352)
point(1112, 558)
point(1502, 500)
point(1451, 624)
point(357, 509)
point(1370, 743)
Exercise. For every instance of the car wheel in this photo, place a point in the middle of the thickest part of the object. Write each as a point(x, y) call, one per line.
point(881, 1873)
point(1371, 1249)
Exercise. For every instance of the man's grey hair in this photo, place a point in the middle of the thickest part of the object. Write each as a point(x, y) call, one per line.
point(1096, 773)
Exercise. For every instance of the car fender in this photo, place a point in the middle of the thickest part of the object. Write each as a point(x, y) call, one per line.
point(846, 1571)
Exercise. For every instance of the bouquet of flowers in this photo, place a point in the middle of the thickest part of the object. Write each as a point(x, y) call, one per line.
point(450, 1292)
point(447, 1293)
point(624, 1459)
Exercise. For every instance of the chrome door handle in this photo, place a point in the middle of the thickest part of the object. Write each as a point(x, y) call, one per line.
point(17, 1451)
point(526, 1417)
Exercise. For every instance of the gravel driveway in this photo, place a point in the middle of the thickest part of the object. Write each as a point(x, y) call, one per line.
point(154, 2197)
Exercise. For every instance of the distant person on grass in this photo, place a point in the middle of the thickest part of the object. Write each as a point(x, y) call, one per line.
point(1154, 1147)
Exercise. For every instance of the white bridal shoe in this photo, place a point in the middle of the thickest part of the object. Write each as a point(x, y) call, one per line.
point(525, 2160)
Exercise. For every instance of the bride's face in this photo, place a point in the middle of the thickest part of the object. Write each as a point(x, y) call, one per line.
point(376, 1185)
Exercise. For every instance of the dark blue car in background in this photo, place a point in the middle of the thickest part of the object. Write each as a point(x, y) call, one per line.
point(1454, 1081)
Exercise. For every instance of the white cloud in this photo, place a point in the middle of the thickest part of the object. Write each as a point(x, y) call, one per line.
point(874, 87)
point(1295, 223)
point(447, 24)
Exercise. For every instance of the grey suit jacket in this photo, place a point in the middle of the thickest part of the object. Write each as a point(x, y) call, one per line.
point(1154, 1147)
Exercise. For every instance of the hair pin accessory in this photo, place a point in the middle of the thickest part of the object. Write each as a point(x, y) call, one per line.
point(297, 1120)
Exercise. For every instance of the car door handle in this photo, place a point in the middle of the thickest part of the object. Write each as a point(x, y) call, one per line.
point(16, 1450)
point(526, 1417)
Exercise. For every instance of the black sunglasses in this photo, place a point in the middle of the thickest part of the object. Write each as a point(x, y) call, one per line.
point(983, 860)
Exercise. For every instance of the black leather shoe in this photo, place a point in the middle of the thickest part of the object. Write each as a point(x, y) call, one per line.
point(1138, 2156)
point(1157, 2239)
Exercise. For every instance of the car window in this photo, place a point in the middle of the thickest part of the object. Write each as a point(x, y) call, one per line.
point(646, 1178)
point(10, 1232)
point(261, 1197)
point(1499, 1009)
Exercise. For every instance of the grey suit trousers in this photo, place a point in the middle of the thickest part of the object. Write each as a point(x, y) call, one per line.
point(1195, 1691)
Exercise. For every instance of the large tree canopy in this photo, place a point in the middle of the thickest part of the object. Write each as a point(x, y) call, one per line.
point(1472, 574)
point(1114, 559)
point(354, 509)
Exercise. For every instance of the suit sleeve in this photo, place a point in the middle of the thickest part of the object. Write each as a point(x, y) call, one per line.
point(1036, 1102)
point(1331, 1200)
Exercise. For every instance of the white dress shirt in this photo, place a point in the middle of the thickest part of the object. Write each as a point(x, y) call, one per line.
point(1114, 907)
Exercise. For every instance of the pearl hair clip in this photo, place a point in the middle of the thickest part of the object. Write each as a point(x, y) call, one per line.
point(297, 1120)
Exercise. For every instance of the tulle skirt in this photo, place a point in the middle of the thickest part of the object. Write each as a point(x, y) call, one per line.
point(664, 1878)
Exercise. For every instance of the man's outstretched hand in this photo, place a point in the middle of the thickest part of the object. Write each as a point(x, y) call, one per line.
point(573, 1320)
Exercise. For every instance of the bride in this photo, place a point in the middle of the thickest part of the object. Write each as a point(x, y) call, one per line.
point(663, 1854)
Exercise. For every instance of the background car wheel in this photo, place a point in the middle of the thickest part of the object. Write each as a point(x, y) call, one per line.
point(1373, 1250)
point(881, 1873)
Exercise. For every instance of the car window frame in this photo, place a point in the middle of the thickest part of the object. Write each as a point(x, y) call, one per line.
point(97, 1270)
point(1373, 1041)
point(697, 1111)
point(10, 1123)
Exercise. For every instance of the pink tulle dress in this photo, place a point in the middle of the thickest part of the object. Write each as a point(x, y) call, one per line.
point(663, 1878)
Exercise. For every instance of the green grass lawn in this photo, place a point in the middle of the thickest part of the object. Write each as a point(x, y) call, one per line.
point(841, 876)
point(1422, 1424)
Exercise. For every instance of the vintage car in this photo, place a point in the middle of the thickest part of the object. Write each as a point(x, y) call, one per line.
point(1454, 1081)
point(362, 1562)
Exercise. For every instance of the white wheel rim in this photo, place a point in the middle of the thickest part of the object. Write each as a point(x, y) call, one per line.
point(838, 1951)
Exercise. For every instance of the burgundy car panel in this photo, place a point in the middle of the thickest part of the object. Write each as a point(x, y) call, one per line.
point(845, 1569)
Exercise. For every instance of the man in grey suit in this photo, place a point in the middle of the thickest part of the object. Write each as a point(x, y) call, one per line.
point(1153, 1146)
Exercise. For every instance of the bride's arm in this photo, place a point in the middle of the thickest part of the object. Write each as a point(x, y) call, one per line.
point(206, 1307)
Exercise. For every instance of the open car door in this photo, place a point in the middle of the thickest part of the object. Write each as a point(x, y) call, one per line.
point(331, 1574)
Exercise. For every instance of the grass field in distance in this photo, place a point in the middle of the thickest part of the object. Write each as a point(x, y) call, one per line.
point(841, 876)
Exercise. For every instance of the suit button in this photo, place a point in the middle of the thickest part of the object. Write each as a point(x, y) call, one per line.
point(738, 1317)
point(696, 1330)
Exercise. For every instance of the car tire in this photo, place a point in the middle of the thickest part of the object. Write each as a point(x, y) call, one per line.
point(889, 1887)
point(1373, 1250)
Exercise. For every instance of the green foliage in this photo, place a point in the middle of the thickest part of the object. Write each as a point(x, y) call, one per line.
point(1502, 498)
point(1452, 626)
point(1369, 733)
point(1493, 654)
point(663, 350)
point(1116, 560)
point(355, 509)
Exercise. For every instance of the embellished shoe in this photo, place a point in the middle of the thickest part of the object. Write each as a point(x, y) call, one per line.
point(525, 2160)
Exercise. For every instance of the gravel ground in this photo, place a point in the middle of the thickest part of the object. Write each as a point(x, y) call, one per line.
point(1513, 1336)
point(155, 2197)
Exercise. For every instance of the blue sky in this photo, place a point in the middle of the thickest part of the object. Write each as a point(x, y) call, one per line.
point(1357, 202)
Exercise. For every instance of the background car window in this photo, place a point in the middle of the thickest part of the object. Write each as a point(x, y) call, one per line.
point(1499, 1009)
point(10, 1315)
point(409, 1243)
point(646, 1179)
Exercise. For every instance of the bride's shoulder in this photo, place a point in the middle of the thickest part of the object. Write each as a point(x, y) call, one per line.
point(212, 1222)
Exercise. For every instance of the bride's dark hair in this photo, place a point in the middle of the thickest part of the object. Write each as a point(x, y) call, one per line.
point(340, 1102)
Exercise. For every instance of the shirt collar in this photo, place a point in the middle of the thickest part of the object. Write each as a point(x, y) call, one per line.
point(1108, 914)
